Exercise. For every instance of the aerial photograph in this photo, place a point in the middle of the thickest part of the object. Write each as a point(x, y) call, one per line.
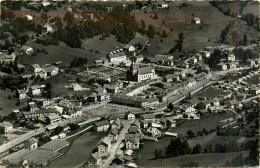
point(110, 83)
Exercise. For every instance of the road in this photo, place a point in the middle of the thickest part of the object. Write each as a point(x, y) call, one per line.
point(115, 146)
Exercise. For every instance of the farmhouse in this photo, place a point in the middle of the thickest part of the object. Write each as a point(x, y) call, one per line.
point(132, 143)
point(116, 57)
point(6, 127)
point(104, 147)
point(36, 68)
point(197, 20)
point(101, 126)
point(5, 58)
point(54, 118)
point(47, 28)
point(22, 94)
point(29, 17)
point(27, 50)
point(129, 48)
point(130, 116)
point(52, 70)
point(111, 88)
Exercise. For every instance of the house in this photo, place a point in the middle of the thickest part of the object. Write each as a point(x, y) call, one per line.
point(163, 59)
point(113, 134)
point(181, 74)
point(52, 70)
point(22, 94)
point(29, 17)
point(129, 48)
point(166, 122)
point(5, 58)
point(52, 119)
point(6, 127)
point(31, 143)
point(102, 97)
point(222, 66)
point(130, 116)
point(132, 143)
point(148, 117)
point(199, 57)
point(215, 102)
point(36, 68)
point(95, 159)
point(190, 110)
point(193, 102)
point(104, 147)
point(197, 20)
point(62, 135)
point(101, 126)
point(231, 58)
point(36, 90)
point(163, 5)
point(75, 87)
point(43, 74)
point(154, 132)
point(116, 124)
point(111, 88)
point(47, 28)
point(203, 105)
point(116, 57)
point(191, 82)
point(193, 60)
point(73, 112)
point(233, 103)
point(254, 90)
point(27, 50)
point(45, 3)
point(139, 58)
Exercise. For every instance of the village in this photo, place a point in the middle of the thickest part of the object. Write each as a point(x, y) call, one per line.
point(127, 100)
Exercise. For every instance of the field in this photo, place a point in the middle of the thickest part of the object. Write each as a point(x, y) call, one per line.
point(207, 121)
point(79, 152)
point(209, 159)
point(6, 105)
point(210, 93)
point(179, 21)
point(58, 84)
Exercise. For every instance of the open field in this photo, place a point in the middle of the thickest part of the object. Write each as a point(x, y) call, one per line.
point(79, 152)
point(58, 84)
point(6, 105)
point(212, 159)
point(211, 92)
point(207, 121)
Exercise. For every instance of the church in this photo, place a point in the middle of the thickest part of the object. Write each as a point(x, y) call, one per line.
point(139, 74)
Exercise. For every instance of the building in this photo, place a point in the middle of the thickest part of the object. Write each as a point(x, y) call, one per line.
point(52, 119)
point(95, 160)
point(162, 5)
point(27, 50)
point(129, 48)
point(254, 90)
point(47, 28)
point(36, 68)
point(101, 126)
point(104, 147)
point(222, 66)
point(5, 58)
point(36, 90)
point(140, 74)
point(163, 59)
point(45, 3)
point(130, 116)
point(29, 17)
point(116, 57)
point(52, 70)
point(154, 132)
point(231, 58)
point(111, 88)
point(132, 143)
point(22, 94)
point(73, 112)
point(6, 127)
point(31, 143)
point(113, 134)
point(197, 20)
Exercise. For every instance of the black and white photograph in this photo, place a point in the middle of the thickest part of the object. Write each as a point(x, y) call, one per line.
point(131, 83)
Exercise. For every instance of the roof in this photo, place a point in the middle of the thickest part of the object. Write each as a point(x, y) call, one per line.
point(55, 145)
point(163, 57)
point(133, 129)
point(100, 123)
point(110, 86)
point(50, 68)
point(53, 116)
point(194, 101)
point(114, 55)
point(26, 47)
point(148, 116)
point(5, 124)
point(33, 140)
point(145, 70)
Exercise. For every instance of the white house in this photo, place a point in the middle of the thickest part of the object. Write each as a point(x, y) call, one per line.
point(129, 48)
point(45, 3)
point(222, 66)
point(47, 28)
point(130, 116)
point(52, 70)
point(27, 50)
point(197, 20)
point(29, 17)
point(6, 127)
point(5, 58)
point(22, 94)
point(104, 147)
point(231, 57)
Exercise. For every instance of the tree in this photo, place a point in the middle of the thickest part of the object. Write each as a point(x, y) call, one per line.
point(158, 154)
point(190, 134)
point(143, 26)
point(164, 34)
point(150, 31)
point(196, 149)
point(58, 130)
point(170, 106)
point(181, 37)
point(48, 86)
point(245, 39)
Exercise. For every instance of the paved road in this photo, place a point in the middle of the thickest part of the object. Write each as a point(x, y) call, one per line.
point(115, 146)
